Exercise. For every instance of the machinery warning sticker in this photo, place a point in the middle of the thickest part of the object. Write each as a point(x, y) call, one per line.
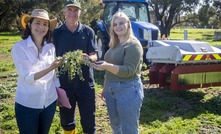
point(197, 57)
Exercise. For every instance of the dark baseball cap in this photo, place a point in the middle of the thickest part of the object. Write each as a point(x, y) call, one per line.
point(74, 3)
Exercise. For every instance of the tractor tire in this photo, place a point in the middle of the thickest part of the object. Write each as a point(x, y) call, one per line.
point(102, 43)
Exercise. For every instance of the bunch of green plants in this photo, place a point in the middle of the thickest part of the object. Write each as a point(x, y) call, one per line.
point(72, 63)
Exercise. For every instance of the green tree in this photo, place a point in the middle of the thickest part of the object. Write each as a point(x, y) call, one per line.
point(8, 13)
point(217, 16)
point(91, 13)
point(169, 13)
point(205, 13)
point(11, 11)
point(209, 14)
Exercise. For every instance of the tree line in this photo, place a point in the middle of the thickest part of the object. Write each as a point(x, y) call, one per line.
point(168, 13)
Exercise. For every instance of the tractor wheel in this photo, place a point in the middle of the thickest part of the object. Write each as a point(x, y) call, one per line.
point(102, 43)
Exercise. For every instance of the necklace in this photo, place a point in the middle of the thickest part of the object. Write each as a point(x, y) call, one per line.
point(39, 51)
point(39, 48)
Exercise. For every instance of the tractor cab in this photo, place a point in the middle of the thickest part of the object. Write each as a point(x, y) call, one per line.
point(135, 11)
point(138, 13)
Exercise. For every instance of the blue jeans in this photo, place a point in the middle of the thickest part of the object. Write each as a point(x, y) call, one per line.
point(34, 121)
point(124, 101)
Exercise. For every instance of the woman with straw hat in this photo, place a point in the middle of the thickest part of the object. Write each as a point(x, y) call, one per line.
point(34, 59)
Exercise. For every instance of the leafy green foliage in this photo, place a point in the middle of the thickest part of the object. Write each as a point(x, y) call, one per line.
point(72, 63)
point(168, 13)
point(10, 19)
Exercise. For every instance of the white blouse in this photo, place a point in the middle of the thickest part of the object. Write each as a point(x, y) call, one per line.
point(29, 92)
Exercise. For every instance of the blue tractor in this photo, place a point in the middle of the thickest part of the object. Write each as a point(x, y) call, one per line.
point(178, 65)
point(137, 11)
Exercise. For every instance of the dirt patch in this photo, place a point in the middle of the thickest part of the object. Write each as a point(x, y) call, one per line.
point(102, 119)
point(4, 57)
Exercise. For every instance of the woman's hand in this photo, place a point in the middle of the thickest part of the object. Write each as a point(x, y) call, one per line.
point(86, 56)
point(102, 95)
point(99, 65)
point(92, 57)
point(56, 64)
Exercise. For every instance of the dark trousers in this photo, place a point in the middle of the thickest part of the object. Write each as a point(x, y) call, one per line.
point(85, 99)
point(34, 121)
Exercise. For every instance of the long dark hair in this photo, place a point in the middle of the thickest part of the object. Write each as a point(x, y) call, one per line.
point(27, 32)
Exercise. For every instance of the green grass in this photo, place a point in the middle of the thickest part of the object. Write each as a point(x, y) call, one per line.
point(196, 111)
point(185, 112)
point(195, 34)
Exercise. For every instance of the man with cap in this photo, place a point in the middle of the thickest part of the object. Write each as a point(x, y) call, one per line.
point(71, 36)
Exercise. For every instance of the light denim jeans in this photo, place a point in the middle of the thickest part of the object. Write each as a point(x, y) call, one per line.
point(124, 101)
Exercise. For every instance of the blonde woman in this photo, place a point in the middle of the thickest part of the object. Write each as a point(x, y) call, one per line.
point(123, 89)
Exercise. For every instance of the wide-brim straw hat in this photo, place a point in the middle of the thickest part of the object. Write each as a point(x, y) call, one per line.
point(40, 14)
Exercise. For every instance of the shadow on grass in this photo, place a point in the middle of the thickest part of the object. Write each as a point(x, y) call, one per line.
point(161, 104)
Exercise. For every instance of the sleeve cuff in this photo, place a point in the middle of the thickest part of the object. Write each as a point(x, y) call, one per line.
point(57, 82)
point(30, 78)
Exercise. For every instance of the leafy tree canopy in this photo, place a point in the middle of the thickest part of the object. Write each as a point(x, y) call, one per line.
point(11, 9)
point(169, 12)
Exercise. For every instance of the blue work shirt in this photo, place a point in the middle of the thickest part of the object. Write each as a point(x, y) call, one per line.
point(82, 39)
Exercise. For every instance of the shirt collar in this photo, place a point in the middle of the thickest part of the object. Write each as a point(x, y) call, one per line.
point(30, 42)
point(80, 27)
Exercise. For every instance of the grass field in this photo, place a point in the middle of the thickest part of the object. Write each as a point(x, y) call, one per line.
point(195, 34)
point(196, 111)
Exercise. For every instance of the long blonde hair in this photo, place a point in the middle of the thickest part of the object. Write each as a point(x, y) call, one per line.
point(113, 36)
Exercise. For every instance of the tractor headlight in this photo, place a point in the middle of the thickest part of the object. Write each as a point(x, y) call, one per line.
point(145, 34)
point(159, 35)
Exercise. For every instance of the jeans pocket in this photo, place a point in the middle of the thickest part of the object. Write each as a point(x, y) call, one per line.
point(128, 84)
point(139, 90)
